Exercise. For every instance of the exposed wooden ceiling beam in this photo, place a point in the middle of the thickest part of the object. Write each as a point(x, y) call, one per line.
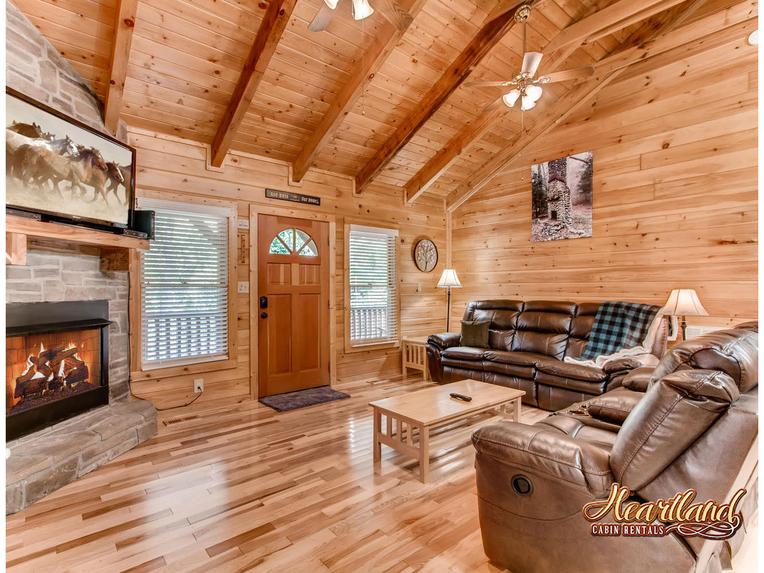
point(268, 36)
point(124, 24)
point(553, 115)
point(492, 31)
point(611, 18)
point(398, 17)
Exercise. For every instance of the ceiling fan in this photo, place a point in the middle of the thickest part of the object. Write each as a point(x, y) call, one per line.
point(524, 86)
point(361, 9)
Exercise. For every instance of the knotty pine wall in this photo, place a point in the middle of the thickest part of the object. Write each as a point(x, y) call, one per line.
point(171, 165)
point(675, 196)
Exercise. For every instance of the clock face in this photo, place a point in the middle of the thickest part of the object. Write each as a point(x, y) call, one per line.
point(425, 255)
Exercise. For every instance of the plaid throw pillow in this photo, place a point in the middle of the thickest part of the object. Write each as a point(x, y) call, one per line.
point(618, 325)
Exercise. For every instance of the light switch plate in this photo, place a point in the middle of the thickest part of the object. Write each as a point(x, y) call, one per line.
point(242, 223)
point(243, 287)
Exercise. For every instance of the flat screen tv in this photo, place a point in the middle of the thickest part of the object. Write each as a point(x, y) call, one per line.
point(64, 169)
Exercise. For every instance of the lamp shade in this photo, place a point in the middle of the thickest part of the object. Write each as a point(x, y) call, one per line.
point(510, 98)
point(684, 302)
point(449, 279)
point(362, 9)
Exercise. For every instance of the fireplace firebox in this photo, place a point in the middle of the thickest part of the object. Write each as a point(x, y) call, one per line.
point(57, 362)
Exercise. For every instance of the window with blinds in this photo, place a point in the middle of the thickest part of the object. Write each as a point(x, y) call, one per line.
point(373, 285)
point(184, 294)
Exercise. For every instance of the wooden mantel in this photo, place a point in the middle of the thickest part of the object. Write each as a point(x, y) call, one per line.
point(114, 249)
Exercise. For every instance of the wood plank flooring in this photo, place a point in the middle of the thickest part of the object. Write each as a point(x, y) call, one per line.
point(237, 487)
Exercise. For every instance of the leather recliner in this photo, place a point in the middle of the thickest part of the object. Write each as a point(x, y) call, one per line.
point(528, 342)
point(691, 422)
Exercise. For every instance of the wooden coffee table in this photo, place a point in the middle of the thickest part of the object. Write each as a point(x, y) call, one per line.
point(410, 417)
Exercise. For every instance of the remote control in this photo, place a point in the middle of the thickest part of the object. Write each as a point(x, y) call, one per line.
point(461, 397)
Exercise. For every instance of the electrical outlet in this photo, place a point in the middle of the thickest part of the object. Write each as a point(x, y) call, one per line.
point(243, 287)
point(198, 385)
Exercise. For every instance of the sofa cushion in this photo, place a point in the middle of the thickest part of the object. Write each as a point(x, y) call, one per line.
point(464, 353)
point(586, 386)
point(613, 407)
point(576, 371)
point(550, 344)
point(577, 429)
point(508, 369)
point(517, 358)
point(475, 333)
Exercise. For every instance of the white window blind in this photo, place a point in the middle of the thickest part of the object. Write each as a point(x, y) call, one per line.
point(184, 294)
point(373, 283)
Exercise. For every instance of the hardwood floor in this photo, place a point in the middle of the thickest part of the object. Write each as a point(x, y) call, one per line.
point(238, 487)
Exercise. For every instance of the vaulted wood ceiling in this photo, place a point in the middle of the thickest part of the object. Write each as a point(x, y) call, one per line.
point(381, 99)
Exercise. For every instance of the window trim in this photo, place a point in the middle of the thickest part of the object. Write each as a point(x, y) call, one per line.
point(351, 346)
point(139, 371)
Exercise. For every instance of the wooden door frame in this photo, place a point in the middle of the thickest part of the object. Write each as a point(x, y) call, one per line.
point(255, 211)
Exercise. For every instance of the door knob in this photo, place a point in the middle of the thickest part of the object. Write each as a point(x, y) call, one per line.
point(263, 315)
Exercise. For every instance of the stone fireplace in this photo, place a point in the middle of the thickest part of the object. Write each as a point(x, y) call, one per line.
point(57, 362)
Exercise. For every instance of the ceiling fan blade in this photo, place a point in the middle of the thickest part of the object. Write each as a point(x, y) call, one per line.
point(321, 19)
point(531, 61)
point(489, 84)
point(567, 75)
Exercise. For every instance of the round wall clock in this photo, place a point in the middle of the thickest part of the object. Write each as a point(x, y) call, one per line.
point(425, 255)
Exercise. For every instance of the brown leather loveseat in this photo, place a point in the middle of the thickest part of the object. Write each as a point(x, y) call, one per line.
point(527, 344)
point(691, 422)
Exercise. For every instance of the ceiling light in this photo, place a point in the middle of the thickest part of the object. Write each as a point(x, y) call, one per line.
point(753, 38)
point(361, 9)
point(331, 3)
point(510, 98)
point(533, 92)
point(527, 103)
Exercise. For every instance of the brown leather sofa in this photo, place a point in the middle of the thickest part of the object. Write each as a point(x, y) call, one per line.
point(691, 422)
point(527, 344)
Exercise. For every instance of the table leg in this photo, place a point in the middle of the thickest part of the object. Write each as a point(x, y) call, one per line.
point(424, 452)
point(377, 445)
point(403, 360)
point(516, 416)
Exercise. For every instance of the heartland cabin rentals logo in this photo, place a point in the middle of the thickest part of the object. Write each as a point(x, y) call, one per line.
point(710, 519)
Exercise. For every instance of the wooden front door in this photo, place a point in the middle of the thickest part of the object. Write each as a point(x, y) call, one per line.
point(293, 304)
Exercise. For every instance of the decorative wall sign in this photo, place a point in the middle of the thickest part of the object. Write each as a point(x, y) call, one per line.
point(290, 196)
point(425, 255)
point(562, 198)
point(61, 167)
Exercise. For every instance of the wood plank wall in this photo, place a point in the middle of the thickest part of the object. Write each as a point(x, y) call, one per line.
point(675, 196)
point(170, 165)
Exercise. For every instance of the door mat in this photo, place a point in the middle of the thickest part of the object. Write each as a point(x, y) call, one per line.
point(303, 398)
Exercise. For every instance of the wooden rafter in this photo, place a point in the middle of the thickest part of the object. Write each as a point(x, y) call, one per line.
point(124, 24)
point(398, 17)
point(561, 109)
point(557, 52)
point(267, 38)
point(497, 24)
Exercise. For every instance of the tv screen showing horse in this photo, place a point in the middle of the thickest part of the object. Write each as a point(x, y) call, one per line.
point(59, 166)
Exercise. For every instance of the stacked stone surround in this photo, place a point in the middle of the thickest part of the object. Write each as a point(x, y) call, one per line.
point(44, 461)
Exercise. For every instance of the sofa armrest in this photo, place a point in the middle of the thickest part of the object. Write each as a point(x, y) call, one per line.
point(445, 340)
point(613, 407)
point(639, 379)
point(547, 454)
point(630, 363)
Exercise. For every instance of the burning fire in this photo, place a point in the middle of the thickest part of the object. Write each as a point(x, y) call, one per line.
point(49, 370)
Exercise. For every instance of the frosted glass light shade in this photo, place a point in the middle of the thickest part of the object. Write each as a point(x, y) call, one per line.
point(361, 9)
point(449, 279)
point(527, 103)
point(331, 3)
point(511, 98)
point(533, 92)
point(684, 302)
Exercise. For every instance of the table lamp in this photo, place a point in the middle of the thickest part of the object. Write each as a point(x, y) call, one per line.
point(449, 280)
point(684, 302)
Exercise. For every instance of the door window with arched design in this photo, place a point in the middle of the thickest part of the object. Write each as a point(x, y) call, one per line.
point(293, 241)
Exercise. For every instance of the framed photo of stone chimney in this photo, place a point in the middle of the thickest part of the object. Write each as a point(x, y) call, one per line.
point(561, 191)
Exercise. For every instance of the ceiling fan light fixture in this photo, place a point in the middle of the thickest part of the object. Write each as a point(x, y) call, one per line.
point(361, 9)
point(533, 93)
point(527, 103)
point(510, 98)
point(331, 3)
